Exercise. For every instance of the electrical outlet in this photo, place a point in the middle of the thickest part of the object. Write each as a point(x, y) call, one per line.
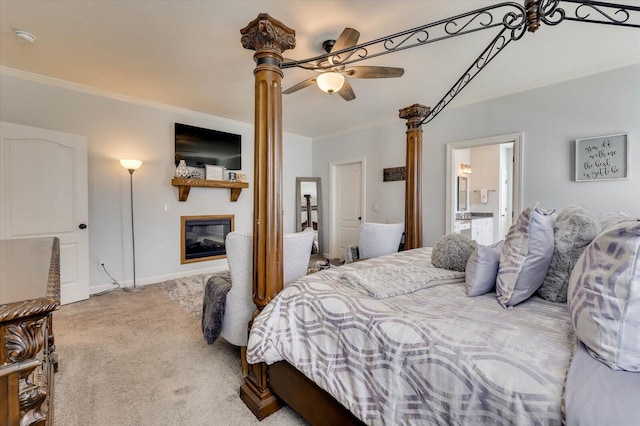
point(101, 264)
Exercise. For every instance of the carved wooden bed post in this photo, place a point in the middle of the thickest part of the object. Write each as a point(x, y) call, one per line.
point(269, 38)
point(413, 188)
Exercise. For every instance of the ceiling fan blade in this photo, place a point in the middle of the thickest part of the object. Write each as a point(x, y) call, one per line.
point(373, 72)
point(348, 38)
point(306, 83)
point(347, 92)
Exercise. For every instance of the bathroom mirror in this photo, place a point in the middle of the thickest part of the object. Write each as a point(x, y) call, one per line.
point(309, 208)
point(462, 193)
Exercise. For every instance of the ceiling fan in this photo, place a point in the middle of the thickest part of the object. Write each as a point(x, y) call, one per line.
point(332, 73)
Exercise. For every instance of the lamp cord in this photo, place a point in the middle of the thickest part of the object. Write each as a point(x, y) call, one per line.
point(113, 281)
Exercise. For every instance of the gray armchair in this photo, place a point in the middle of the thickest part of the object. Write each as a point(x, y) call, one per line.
point(239, 304)
point(378, 239)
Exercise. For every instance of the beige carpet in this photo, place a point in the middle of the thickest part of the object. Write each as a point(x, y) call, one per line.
point(140, 359)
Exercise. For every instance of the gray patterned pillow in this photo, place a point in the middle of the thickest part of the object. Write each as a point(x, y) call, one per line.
point(604, 297)
point(573, 229)
point(525, 257)
point(452, 252)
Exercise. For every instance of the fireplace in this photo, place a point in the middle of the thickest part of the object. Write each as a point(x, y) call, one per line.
point(202, 237)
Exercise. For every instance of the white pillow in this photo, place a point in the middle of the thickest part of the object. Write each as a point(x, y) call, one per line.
point(525, 257)
point(604, 296)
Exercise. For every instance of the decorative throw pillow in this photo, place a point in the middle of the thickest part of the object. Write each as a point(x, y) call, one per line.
point(452, 252)
point(482, 269)
point(573, 229)
point(351, 253)
point(525, 257)
point(604, 297)
point(609, 219)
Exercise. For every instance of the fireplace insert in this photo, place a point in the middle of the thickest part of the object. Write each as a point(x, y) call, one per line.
point(202, 237)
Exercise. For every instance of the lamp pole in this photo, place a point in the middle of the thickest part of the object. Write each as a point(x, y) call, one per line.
point(132, 166)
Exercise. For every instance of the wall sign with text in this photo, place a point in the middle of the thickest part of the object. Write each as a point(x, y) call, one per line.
point(394, 173)
point(602, 158)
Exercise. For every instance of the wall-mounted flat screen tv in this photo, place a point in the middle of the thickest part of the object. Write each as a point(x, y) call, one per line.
point(199, 147)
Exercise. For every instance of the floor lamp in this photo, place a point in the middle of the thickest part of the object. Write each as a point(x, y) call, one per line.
point(132, 166)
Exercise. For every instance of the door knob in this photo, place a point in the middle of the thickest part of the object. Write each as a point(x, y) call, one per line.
point(359, 217)
point(82, 226)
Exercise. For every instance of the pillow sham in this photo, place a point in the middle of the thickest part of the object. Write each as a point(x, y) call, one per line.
point(452, 252)
point(610, 219)
point(482, 269)
point(604, 297)
point(573, 229)
point(525, 257)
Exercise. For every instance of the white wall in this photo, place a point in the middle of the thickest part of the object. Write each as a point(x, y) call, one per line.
point(383, 147)
point(485, 163)
point(551, 118)
point(119, 129)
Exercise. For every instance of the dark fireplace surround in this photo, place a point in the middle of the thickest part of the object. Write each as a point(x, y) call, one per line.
point(202, 237)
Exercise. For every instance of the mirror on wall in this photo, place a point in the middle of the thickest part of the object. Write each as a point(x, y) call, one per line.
point(462, 193)
point(309, 208)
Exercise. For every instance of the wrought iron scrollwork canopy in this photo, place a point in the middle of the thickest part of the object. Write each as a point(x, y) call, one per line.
point(512, 19)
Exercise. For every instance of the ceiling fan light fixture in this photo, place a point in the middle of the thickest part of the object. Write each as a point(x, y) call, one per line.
point(330, 82)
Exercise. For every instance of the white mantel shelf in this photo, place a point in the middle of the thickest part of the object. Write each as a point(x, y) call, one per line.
point(184, 185)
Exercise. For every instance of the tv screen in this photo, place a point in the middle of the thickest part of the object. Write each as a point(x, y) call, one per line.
point(199, 147)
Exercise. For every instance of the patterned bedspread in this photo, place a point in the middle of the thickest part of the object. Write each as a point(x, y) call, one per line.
point(434, 356)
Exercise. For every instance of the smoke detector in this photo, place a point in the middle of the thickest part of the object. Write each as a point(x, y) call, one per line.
point(24, 36)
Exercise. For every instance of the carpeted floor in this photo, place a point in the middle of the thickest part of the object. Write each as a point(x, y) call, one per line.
point(140, 359)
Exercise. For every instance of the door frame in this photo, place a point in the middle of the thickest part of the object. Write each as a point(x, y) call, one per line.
point(333, 221)
point(451, 173)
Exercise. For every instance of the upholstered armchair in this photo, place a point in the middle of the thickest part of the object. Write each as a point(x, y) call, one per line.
point(378, 239)
point(239, 304)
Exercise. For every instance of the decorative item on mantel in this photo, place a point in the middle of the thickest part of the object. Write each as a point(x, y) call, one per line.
point(214, 172)
point(182, 171)
point(195, 172)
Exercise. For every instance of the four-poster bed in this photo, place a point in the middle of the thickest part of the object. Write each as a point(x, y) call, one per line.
point(265, 386)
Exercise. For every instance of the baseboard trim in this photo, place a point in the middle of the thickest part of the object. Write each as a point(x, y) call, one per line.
point(156, 279)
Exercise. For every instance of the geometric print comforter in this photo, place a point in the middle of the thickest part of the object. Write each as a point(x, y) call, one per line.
point(434, 356)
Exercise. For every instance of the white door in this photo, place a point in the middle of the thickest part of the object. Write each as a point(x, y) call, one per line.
point(43, 193)
point(347, 205)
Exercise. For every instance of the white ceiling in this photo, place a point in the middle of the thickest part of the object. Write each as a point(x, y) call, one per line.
point(188, 54)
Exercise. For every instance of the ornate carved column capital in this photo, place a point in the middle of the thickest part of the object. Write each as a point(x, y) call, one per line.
point(414, 114)
point(267, 34)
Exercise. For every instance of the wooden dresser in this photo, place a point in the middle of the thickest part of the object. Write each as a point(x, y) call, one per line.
point(29, 293)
